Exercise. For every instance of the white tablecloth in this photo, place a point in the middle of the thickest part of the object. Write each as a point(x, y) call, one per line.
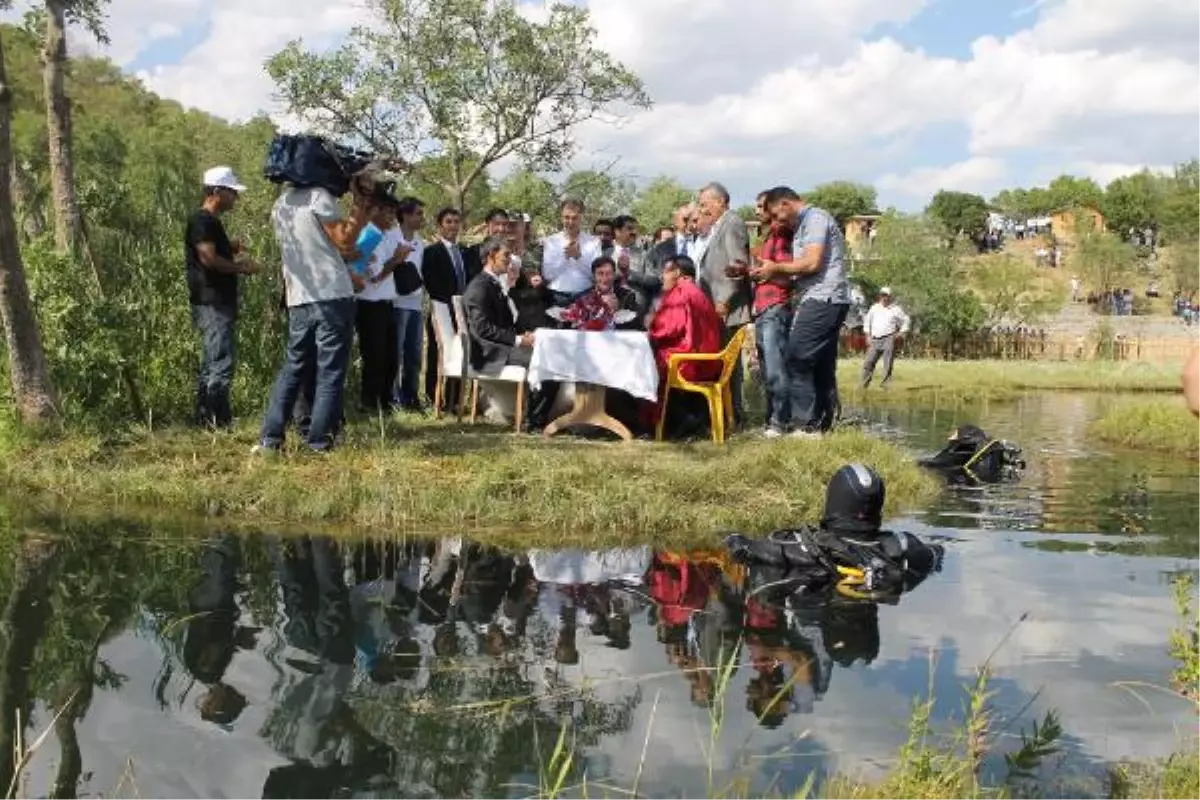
point(617, 359)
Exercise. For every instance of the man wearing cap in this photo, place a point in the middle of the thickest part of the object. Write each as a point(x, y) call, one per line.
point(884, 323)
point(212, 264)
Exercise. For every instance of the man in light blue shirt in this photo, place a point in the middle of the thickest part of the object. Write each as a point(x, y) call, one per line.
point(819, 266)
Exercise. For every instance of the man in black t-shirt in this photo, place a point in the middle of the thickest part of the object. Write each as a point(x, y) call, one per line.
point(213, 264)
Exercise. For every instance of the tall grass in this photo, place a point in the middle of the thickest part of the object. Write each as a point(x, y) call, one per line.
point(431, 477)
point(962, 382)
point(1162, 425)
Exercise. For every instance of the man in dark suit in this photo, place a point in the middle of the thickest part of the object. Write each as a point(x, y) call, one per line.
point(497, 224)
point(492, 338)
point(679, 244)
point(445, 272)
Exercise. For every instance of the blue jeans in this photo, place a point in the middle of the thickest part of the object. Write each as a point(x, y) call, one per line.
point(771, 334)
point(812, 363)
point(319, 337)
point(409, 337)
point(218, 341)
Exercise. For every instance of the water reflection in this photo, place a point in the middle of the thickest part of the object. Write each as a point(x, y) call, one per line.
point(184, 663)
point(418, 668)
point(1071, 485)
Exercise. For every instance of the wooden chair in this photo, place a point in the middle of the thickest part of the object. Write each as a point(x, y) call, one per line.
point(509, 374)
point(717, 393)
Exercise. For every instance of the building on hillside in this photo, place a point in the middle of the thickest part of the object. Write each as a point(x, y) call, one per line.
point(858, 229)
point(1062, 222)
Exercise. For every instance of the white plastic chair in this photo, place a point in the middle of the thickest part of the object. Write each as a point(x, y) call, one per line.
point(509, 374)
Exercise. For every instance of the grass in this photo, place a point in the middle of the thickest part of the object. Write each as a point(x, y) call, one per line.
point(423, 477)
point(1162, 425)
point(940, 382)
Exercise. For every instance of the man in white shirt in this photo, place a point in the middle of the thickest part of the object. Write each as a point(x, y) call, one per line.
point(883, 325)
point(407, 307)
point(314, 237)
point(567, 256)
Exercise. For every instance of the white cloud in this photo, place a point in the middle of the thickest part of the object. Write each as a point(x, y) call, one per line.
point(921, 183)
point(799, 91)
point(1104, 171)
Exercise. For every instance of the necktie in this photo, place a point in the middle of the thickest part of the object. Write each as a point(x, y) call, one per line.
point(456, 259)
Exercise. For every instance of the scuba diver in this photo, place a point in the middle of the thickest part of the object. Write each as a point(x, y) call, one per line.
point(848, 551)
point(971, 456)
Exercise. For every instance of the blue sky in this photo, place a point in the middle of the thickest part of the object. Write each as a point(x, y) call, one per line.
point(909, 95)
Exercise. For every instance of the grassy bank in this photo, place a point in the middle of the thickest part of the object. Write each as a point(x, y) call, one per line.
point(961, 382)
point(1161, 425)
point(437, 478)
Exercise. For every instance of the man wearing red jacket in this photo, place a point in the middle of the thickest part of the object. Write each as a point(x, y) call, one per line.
point(686, 322)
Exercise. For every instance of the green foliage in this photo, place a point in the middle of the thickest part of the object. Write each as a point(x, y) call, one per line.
point(1104, 260)
point(1023, 203)
point(1184, 263)
point(138, 166)
point(959, 214)
point(602, 194)
point(1011, 291)
point(925, 276)
point(657, 201)
point(1067, 191)
point(527, 191)
point(844, 199)
point(473, 81)
point(1133, 201)
point(1185, 639)
point(429, 179)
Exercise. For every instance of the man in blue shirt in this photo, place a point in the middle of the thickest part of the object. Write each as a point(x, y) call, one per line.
point(819, 266)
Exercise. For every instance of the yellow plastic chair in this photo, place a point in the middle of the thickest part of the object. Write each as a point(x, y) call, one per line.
point(720, 399)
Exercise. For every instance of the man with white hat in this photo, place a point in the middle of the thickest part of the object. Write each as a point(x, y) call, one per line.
point(884, 323)
point(212, 264)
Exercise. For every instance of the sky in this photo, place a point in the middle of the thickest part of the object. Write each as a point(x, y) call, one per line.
point(911, 96)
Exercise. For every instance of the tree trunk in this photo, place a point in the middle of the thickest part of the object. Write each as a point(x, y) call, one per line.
point(33, 393)
point(26, 206)
point(23, 625)
point(68, 222)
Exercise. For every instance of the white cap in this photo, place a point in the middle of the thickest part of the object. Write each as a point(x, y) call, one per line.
point(886, 290)
point(224, 178)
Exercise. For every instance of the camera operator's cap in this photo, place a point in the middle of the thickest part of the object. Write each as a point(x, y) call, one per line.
point(886, 290)
point(223, 177)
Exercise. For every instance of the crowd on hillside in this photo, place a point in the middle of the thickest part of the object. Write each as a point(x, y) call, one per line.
point(375, 270)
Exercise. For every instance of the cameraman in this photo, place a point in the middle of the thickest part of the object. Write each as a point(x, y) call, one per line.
point(316, 241)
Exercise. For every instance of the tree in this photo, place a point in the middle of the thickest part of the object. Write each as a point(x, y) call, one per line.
point(1067, 191)
point(602, 195)
point(656, 203)
point(1133, 201)
point(1013, 291)
point(428, 184)
point(1180, 220)
point(960, 214)
point(528, 192)
point(1104, 260)
point(844, 199)
point(68, 219)
point(924, 275)
point(473, 81)
point(33, 392)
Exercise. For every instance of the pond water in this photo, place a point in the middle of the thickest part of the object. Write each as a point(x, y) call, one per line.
point(204, 664)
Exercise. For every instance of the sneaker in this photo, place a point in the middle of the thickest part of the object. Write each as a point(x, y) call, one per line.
point(771, 432)
point(803, 434)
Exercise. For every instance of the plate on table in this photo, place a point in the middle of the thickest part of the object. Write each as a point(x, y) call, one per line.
point(623, 316)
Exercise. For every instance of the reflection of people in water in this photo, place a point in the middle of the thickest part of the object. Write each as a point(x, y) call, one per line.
point(312, 724)
point(213, 635)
